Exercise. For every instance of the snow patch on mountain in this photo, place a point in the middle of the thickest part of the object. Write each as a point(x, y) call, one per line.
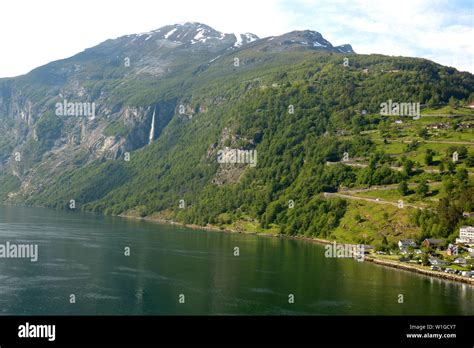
point(250, 37)
point(317, 44)
point(171, 32)
point(199, 35)
point(238, 38)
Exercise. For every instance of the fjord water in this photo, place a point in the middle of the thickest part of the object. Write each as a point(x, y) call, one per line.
point(83, 254)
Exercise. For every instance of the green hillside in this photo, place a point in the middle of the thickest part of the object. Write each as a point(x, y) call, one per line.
point(292, 147)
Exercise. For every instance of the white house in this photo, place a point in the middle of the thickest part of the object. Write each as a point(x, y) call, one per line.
point(466, 235)
point(405, 243)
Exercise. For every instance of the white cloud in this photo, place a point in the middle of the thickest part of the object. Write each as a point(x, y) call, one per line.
point(440, 30)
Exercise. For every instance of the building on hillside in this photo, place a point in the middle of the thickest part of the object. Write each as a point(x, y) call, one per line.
point(404, 244)
point(452, 250)
point(467, 232)
point(438, 126)
point(460, 261)
point(433, 243)
point(466, 235)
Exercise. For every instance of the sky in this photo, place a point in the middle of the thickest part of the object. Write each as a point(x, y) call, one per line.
point(36, 32)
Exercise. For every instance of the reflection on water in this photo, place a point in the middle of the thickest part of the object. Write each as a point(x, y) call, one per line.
point(83, 254)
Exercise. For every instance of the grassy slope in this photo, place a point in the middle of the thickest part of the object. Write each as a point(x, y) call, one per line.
point(377, 221)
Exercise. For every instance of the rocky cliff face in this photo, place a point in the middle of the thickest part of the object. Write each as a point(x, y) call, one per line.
point(98, 104)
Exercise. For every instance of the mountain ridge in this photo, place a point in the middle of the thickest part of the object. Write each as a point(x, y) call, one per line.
point(194, 98)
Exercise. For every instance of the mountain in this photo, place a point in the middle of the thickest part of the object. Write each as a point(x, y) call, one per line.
point(137, 124)
point(197, 33)
point(301, 40)
point(169, 57)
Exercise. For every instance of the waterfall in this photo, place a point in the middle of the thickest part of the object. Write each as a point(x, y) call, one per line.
point(152, 129)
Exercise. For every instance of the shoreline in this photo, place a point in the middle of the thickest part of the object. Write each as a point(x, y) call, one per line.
point(378, 261)
point(427, 272)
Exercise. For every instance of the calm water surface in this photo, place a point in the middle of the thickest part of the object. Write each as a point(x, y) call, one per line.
point(83, 254)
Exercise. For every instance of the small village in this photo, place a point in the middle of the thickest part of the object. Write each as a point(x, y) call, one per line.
point(454, 258)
